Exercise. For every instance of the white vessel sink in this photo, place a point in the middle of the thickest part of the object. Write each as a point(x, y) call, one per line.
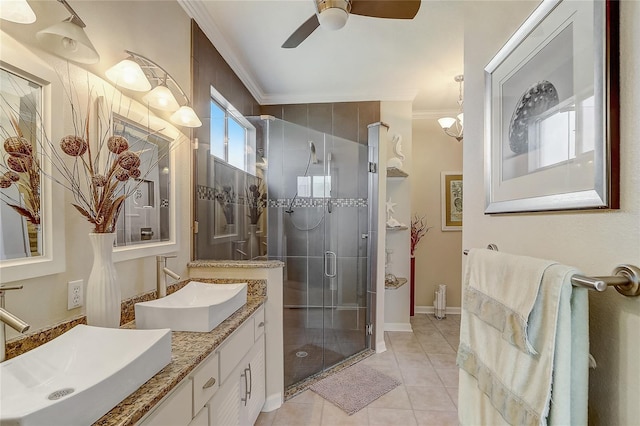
point(78, 377)
point(195, 307)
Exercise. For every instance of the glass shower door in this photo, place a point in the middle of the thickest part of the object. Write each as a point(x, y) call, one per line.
point(317, 217)
point(345, 245)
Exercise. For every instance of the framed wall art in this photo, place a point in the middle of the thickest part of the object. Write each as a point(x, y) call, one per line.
point(451, 202)
point(551, 103)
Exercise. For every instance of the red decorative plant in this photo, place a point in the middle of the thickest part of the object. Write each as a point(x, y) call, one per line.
point(419, 229)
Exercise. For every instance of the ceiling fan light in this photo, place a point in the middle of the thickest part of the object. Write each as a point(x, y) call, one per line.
point(333, 18)
point(17, 11)
point(333, 14)
point(446, 122)
point(185, 116)
point(127, 74)
point(161, 98)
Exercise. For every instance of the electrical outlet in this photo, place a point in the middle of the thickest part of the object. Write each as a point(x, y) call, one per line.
point(75, 297)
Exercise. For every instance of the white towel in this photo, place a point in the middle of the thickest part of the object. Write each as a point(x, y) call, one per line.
point(501, 384)
point(502, 289)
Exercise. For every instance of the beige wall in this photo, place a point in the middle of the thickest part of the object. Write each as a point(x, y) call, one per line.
point(593, 241)
point(439, 253)
point(112, 28)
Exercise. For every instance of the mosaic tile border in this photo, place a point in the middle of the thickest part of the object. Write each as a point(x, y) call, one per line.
point(318, 202)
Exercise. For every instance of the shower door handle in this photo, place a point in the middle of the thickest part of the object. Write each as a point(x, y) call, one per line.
point(330, 260)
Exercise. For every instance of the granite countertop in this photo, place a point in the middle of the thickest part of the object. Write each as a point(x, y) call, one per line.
point(235, 264)
point(187, 351)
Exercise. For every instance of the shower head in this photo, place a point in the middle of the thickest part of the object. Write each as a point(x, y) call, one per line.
point(312, 148)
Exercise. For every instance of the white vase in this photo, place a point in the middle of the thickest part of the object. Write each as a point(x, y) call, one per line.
point(254, 244)
point(103, 290)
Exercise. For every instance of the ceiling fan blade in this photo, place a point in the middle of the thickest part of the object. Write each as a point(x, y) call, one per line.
point(393, 9)
point(302, 32)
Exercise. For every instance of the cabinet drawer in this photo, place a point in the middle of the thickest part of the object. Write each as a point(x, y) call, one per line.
point(206, 381)
point(235, 347)
point(258, 320)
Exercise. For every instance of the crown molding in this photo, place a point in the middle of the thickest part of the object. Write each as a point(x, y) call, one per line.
point(200, 14)
point(327, 97)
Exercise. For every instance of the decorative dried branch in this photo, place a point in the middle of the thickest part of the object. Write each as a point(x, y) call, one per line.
point(418, 230)
point(100, 174)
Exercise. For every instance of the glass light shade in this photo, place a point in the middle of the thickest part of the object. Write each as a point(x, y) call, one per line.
point(460, 118)
point(186, 116)
point(446, 122)
point(333, 18)
point(17, 11)
point(161, 98)
point(128, 75)
point(69, 41)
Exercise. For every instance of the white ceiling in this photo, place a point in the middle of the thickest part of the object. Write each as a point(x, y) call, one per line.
point(368, 59)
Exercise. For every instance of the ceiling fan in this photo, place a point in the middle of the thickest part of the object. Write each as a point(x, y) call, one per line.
point(333, 15)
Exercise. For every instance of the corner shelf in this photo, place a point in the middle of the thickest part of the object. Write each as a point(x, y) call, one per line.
point(396, 172)
point(394, 286)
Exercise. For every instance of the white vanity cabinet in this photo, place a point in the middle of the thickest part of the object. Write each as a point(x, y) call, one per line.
point(242, 392)
point(227, 388)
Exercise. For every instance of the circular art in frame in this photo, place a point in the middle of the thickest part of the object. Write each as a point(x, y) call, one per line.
point(537, 99)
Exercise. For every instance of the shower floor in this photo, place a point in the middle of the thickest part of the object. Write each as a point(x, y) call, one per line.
point(316, 338)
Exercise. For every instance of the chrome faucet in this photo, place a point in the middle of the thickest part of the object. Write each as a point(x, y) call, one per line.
point(161, 276)
point(7, 317)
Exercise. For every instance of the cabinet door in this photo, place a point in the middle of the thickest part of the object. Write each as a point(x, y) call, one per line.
point(224, 407)
point(255, 394)
point(173, 411)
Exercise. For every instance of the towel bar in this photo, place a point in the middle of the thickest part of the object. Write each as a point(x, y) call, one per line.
point(625, 279)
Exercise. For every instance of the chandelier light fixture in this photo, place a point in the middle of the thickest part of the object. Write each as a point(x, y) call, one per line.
point(142, 74)
point(68, 39)
point(454, 126)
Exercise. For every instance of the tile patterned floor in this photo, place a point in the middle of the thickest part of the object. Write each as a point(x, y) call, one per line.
point(425, 363)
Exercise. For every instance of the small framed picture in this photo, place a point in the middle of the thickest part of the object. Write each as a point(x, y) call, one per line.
point(551, 102)
point(451, 194)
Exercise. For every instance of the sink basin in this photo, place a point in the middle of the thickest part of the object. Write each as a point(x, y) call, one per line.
point(78, 377)
point(195, 307)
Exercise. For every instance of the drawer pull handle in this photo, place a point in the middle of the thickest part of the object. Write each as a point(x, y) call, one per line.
point(210, 382)
point(261, 324)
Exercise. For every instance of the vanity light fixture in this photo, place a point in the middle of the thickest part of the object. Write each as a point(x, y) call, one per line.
point(161, 98)
point(17, 11)
point(68, 39)
point(140, 73)
point(454, 126)
point(128, 74)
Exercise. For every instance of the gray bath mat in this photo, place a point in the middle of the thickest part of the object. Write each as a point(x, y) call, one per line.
point(355, 387)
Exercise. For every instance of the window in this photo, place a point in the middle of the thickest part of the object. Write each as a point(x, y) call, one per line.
point(232, 136)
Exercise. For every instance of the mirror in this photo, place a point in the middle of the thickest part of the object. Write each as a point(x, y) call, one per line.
point(145, 215)
point(147, 220)
point(30, 245)
point(20, 173)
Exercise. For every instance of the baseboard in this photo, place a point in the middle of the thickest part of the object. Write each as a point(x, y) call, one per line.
point(429, 310)
point(398, 326)
point(381, 347)
point(273, 402)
